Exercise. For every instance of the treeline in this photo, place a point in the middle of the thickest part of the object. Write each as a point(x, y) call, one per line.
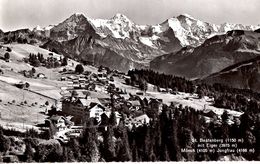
point(224, 96)
point(242, 100)
point(49, 62)
point(161, 80)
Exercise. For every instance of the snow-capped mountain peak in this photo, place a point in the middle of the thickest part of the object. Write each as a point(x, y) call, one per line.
point(121, 17)
point(79, 14)
point(119, 26)
point(187, 29)
point(185, 16)
point(38, 28)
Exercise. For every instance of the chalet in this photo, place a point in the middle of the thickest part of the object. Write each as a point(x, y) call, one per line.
point(143, 119)
point(60, 122)
point(210, 114)
point(75, 81)
point(41, 76)
point(63, 79)
point(102, 76)
point(82, 80)
point(27, 74)
point(77, 107)
point(140, 93)
point(10, 159)
point(72, 77)
point(76, 86)
point(164, 90)
point(135, 105)
point(70, 83)
point(137, 121)
point(125, 96)
point(95, 110)
point(82, 85)
point(100, 88)
point(81, 76)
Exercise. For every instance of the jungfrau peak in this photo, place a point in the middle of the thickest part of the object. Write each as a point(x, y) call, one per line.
point(193, 32)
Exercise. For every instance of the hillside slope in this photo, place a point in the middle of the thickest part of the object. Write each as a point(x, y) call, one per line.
point(244, 75)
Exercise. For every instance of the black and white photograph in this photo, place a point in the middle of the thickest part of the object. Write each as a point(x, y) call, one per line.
point(129, 81)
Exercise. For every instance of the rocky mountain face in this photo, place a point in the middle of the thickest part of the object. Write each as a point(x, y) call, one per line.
point(244, 75)
point(74, 26)
point(122, 44)
point(212, 56)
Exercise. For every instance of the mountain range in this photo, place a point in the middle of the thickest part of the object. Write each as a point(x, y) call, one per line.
point(212, 56)
point(181, 45)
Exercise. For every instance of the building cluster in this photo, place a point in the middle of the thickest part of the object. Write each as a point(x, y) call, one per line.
point(80, 103)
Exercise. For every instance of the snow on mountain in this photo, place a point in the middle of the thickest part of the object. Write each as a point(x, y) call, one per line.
point(38, 28)
point(118, 26)
point(188, 30)
point(193, 32)
point(45, 31)
point(147, 41)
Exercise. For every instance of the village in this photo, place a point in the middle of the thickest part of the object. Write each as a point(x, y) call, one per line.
point(96, 93)
point(96, 96)
point(78, 104)
point(58, 102)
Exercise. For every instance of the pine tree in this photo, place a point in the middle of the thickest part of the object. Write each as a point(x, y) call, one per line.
point(74, 149)
point(112, 118)
point(64, 61)
point(148, 144)
point(135, 155)
point(65, 154)
point(109, 145)
point(4, 142)
point(79, 69)
point(28, 152)
point(89, 141)
point(123, 148)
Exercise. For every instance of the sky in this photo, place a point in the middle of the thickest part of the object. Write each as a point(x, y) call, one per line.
point(16, 14)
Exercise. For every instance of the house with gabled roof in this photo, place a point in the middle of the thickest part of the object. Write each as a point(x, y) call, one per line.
point(137, 121)
point(81, 108)
point(134, 105)
point(60, 122)
point(95, 110)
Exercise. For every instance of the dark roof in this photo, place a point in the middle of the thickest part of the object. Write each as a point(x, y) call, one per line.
point(210, 113)
point(135, 103)
point(93, 104)
point(55, 117)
